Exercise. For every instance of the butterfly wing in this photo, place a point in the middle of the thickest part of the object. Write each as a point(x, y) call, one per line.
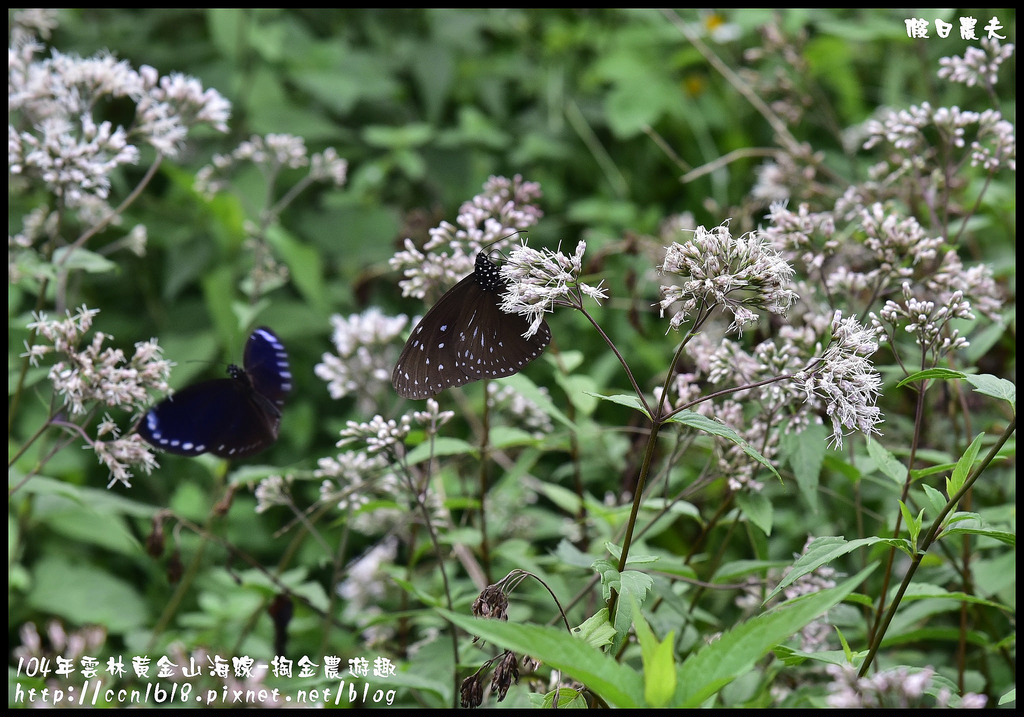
point(491, 343)
point(266, 363)
point(222, 416)
point(229, 417)
point(466, 337)
point(427, 364)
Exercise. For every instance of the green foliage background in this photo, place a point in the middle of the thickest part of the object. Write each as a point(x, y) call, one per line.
point(606, 109)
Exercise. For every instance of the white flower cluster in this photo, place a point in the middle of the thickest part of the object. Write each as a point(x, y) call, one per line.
point(978, 66)
point(89, 377)
point(929, 323)
point(504, 208)
point(54, 136)
point(538, 280)
point(525, 412)
point(271, 153)
point(94, 374)
point(362, 365)
point(845, 381)
point(911, 132)
point(896, 688)
point(378, 435)
point(739, 274)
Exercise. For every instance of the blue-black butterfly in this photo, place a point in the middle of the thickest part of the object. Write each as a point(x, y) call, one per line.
point(229, 417)
point(466, 337)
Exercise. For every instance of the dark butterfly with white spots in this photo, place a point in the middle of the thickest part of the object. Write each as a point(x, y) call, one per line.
point(228, 417)
point(466, 337)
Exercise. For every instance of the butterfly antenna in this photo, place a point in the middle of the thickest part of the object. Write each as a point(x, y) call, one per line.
point(501, 239)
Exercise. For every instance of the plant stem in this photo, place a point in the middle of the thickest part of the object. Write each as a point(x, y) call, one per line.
point(638, 491)
point(938, 525)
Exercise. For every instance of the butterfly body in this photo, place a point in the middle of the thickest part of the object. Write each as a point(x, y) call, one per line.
point(466, 337)
point(229, 417)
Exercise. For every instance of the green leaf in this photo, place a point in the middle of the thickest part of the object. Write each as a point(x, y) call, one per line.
point(634, 559)
point(596, 630)
point(963, 467)
point(927, 591)
point(886, 462)
point(739, 649)
point(936, 373)
point(226, 30)
point(936, 500)
point(570, 360)
point(528, 390)
point(404, 136)
point(440, 446)
point(995, 387)
point(1003, 536)
point(913, 524)
point(631, 401)
point(824, 550)
point(247, 314)
point(353, 77)
point(511, 437)
point(568, 501)
point(703, 423)
point(580, 389)
point(617, 684)
point(84, 594)
point(757, 508)
point(632, 107)
point(658, 660)
point(831, 61)
point(632, 587)
point(847, 652)
point(568, 699)
point(304, 266)
point(218, 296)
point(77, 259)
point(805, 453)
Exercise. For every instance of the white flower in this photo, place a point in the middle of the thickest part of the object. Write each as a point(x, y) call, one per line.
point(845, 381)
point(977, 66)
point(363, 362)
point(502, 210)
point(378, 434)
point(538, 280)
point(738, 274)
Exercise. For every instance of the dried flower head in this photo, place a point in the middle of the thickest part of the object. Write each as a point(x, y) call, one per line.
point(491, 603)
point(505, 674)
point(472, 691)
